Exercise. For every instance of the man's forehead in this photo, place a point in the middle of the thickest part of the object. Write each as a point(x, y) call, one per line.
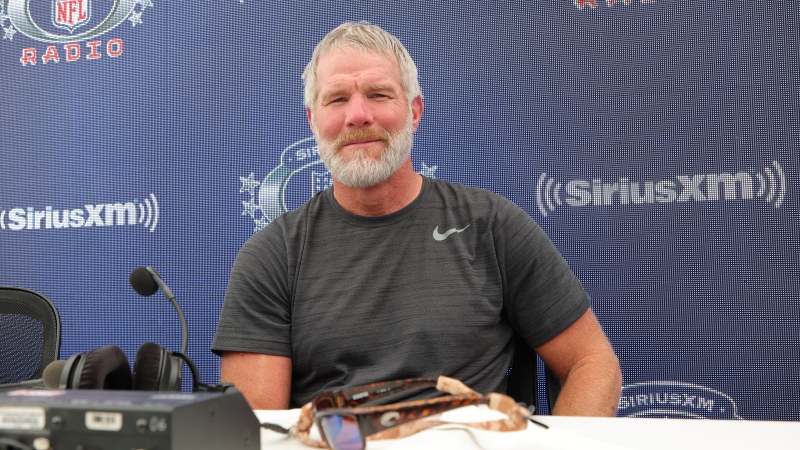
point(348, 65)
point(346, 58)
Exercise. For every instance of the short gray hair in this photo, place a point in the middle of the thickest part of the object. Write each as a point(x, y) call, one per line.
point(362, 36)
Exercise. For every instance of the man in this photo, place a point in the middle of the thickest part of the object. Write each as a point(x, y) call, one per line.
point(389, 275)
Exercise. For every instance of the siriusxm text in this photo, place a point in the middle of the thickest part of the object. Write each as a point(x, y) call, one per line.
point(673, 399)
point(685, 188)
point(102, 215)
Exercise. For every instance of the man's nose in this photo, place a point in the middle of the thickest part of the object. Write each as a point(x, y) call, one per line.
point(359, 112)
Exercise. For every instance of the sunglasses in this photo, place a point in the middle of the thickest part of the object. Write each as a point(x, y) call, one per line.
point(345, 424)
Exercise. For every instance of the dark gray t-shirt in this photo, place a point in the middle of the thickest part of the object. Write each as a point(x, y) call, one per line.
point(437, 288)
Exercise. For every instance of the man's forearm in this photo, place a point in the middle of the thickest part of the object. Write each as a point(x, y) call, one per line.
point(592, 388)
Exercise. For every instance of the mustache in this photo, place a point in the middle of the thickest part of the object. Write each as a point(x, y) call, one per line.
point(360, 135)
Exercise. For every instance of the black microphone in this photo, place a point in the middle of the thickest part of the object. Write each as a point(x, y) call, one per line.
point(146, 281)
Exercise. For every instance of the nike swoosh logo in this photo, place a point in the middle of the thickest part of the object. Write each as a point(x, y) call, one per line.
point(440, 237)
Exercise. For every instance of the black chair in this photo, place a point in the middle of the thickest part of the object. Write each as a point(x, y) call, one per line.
point(523, 380)
point(30, 337)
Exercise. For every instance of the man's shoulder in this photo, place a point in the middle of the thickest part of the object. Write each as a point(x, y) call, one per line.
point(457, 194)
point(292, 217)
point(499, 211)
point(291, 223)
point(445, 188)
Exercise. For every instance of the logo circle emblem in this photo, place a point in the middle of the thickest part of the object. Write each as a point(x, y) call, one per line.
point(21, 18)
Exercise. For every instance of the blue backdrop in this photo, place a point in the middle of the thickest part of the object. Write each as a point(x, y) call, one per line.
point(655, 142)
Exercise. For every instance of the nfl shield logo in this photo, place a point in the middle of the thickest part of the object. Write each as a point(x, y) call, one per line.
point(71, 14)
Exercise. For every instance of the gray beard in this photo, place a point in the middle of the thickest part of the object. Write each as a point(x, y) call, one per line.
point(359, 169)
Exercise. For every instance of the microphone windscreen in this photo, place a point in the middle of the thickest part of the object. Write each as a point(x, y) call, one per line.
point(51, 377)
point(142, 282)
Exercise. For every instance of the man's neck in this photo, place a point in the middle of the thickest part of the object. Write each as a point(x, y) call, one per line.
point(389, 196)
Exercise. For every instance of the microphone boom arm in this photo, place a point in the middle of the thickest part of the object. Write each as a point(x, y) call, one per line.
point(171, 297)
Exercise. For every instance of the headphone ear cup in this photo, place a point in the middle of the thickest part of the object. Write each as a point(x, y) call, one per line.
point(156, 369)
point(147, 367)
point(70, 374)
point(173, 372)
point(102, 368)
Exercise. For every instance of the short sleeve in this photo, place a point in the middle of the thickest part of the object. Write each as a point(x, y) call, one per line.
point(541, 294)
point(256, 313)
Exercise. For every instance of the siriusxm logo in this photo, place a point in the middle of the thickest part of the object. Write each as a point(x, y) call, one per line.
point(676, 400)
point(768, 185)
point(144, 213)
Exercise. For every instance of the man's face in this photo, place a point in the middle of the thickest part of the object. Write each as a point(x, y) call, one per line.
point(361, 120)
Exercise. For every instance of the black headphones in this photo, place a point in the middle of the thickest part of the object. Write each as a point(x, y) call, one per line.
point(154, 369)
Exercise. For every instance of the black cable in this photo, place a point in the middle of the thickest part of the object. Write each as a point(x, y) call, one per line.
point(13, 444)
point(274, 427)
point(538, 423)
point(532, 409)
point(192, 368)
point(197, 386)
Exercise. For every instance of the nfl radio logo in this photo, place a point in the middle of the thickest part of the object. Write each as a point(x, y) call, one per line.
point(71, 14)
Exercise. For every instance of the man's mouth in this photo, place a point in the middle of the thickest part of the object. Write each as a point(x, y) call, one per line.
point(362, 141)
point(361, 138)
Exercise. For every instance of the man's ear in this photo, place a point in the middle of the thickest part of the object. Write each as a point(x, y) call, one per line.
point(417, 106)
point(310, 121)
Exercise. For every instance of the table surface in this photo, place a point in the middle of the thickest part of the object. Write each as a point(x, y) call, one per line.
point(574, 432)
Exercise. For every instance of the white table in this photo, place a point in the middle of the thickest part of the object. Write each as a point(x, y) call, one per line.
point(575, 433)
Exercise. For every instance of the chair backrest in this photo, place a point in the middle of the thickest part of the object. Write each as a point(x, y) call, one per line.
point(30, 334)
point(523, 380)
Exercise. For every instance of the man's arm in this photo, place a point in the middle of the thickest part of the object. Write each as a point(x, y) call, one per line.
point(264, 380)
point(584, 361)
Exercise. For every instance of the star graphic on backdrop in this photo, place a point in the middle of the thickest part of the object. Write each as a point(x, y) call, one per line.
point(260, 223)
point(428, 171)
point(250, 208)
point(145, 3)
point(249, 184)
point(135, 18)
point(9, 33)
